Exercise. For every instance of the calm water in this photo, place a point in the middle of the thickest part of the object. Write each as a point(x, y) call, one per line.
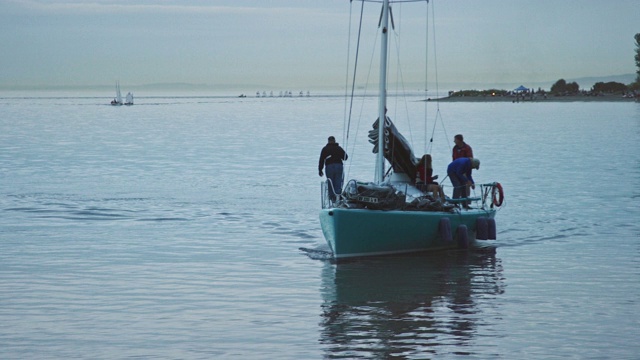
point(172, 230)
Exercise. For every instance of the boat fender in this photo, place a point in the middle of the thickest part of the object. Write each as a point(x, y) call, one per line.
point(444, 227)
point(463, 237)
point(497, 200)
point(491, 225)
point(482, 228)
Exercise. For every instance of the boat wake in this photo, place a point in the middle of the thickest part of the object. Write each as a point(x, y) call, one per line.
point(322, 253)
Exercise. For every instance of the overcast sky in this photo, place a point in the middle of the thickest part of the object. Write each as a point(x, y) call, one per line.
point(302, 44)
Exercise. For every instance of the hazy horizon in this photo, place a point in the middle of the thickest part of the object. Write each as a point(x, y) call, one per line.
point(297, 45)
point(250, 89)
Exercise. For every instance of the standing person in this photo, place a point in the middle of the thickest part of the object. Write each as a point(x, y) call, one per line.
point(459, 172)
point(331, 158)
point(461, 149)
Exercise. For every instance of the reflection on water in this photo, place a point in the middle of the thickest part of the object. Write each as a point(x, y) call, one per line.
point(408, 306)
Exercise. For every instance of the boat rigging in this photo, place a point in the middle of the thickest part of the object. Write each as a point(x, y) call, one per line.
point(392, 214)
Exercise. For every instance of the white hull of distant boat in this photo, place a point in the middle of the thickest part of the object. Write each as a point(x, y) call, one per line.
point(390, 215)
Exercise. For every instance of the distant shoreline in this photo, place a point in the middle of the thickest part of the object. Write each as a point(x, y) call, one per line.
point(539, 99)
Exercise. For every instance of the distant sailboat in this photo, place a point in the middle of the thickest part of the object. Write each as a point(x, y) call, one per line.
point(118, 98)
point(129, 99)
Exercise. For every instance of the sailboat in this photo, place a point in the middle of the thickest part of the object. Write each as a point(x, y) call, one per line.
point(118, 99)
point(392, 214)
point(129, 99)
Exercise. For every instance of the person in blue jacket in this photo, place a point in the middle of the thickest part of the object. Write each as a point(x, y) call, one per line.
point(459, 171)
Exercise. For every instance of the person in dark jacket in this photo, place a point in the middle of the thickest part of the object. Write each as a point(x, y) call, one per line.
point(331, 158)
point(461, 149)
point(459, 172)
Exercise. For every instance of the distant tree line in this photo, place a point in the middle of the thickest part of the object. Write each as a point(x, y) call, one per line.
point(610, 87)
point(561, 87)
point(636, 85)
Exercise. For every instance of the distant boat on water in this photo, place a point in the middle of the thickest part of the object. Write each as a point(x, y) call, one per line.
point(118, 99)
point(129, 99)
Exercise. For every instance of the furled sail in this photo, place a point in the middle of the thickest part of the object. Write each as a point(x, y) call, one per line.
point(396, 149)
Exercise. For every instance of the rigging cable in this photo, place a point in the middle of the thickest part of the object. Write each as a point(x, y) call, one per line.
point(355, 68)
point(366, 82)
point(345, 118)
point(427, 147)
point(438, 115)
point(353, 84)
point(400, 79)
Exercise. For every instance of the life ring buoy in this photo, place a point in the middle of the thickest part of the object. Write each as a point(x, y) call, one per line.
point(497, 200)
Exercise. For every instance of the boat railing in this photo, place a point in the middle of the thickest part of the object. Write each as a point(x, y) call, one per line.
point(491, 193)
point(490, 197)
point(325, 196)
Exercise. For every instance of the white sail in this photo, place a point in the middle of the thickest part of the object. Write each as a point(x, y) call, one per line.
point(129, 99)
point(118, 99)
point(118, 95)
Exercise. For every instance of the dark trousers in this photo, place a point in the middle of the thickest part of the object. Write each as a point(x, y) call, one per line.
point(459, 187)
point(334, 172)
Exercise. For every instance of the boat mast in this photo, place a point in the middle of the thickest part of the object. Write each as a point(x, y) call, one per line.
point(382, 91)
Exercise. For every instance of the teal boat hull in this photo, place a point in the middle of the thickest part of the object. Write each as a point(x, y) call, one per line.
point(362, 232)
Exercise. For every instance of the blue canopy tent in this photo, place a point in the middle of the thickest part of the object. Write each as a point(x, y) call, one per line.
point(521, 92)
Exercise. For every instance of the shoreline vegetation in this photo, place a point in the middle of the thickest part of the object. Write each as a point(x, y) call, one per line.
point(534, 98)
point(561, 91)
